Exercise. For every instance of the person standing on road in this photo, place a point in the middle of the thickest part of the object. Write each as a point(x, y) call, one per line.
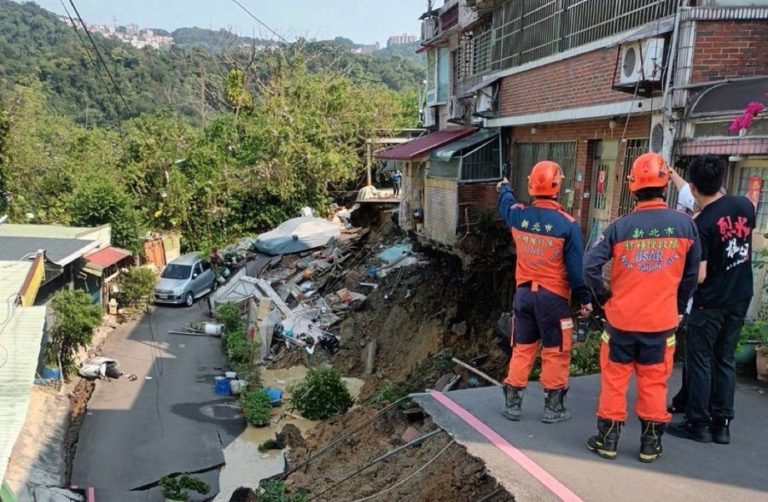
point(719, 305)
point(656, 253)
point(397, 177)
point(549, 267)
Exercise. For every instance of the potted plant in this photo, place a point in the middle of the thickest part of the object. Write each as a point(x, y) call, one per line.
point(177, 488)
point(761, 360)
point(749, 337)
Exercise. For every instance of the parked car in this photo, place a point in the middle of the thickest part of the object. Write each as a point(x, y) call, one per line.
point(184, 280)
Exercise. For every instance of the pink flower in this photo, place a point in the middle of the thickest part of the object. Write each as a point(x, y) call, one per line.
point(753, 108)
point(740, 122)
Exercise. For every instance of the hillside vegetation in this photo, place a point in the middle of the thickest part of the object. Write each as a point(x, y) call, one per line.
point(211, 145)
point(38, 47)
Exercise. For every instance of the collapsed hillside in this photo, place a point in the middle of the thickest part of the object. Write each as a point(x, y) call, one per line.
point(418, 318)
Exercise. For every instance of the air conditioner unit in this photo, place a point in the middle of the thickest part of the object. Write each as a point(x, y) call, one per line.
point(458, 109)
point(661, 136)
point(428, 119)
point(429, 28)
point(642, 61)
point(484, 100)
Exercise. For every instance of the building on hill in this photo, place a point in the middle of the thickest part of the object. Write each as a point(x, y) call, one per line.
point(590, 89)
point(366, 48)
point(401, 39)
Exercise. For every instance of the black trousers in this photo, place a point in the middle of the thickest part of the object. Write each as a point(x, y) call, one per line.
point(709, 361)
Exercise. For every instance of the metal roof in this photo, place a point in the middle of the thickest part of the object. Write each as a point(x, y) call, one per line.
point(46, 231)
point(12, 275)
point(58, 251)
point(107, 257)
point(422, 146)
point(20, 340)
point(447, 152)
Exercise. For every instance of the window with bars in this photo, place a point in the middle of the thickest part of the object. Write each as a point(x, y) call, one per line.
point(632, 150)
point(483, 163)
point(528, 154)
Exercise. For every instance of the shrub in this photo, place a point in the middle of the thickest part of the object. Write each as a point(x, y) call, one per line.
point(273, 490)
point(257, 409)
point(229, 316)
point(136, 285)
point(485, 221)
point(75, 317)
point(585, 358)
point(321, 395)
point(249, 372)
point(239, 348)
point(178, 487)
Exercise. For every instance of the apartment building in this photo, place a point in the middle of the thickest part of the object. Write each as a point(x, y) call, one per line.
point(590, 84)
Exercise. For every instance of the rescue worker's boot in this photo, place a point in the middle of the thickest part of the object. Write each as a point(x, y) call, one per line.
point(513, 402)
point(650, 441)
point(720, 429)
point(606, 442)
point(554, 406)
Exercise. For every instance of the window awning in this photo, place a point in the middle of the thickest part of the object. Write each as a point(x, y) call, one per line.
point(423, 146)
point(446, 153)
point(96, 262)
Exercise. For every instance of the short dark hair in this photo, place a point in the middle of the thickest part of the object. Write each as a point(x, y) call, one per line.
point(649, 194)
point(707, 173)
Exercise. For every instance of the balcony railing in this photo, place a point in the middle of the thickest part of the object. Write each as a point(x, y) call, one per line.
point(527, 30)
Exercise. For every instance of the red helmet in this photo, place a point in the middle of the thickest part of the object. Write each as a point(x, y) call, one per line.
point(545, 179)
point(648, 171)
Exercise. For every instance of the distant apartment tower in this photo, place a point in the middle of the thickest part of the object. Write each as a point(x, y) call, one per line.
point(401, 39)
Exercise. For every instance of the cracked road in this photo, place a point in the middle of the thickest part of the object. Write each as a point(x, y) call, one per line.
point(167, 421)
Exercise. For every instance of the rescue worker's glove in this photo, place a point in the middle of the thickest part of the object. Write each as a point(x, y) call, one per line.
point(502, 182)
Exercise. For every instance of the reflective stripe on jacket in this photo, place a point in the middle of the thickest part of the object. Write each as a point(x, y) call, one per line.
point(656, 253)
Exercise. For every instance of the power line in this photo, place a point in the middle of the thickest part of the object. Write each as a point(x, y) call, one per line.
point(101, 58)
point(282, 38)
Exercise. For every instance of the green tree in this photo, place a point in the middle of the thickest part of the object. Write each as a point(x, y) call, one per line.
point(75, 318)
point(104, 202)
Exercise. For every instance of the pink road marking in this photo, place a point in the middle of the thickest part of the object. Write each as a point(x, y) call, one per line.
point(91, 494)
point(545, 478)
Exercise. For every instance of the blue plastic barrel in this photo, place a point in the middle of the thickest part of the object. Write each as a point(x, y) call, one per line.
point(275, 396)
point(222, 386)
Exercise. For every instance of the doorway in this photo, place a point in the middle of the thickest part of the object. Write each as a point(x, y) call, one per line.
point(605, 154)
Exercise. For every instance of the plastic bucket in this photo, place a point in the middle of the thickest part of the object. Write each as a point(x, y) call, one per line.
point(212, 328)
point(236, 386)
point(222, 387)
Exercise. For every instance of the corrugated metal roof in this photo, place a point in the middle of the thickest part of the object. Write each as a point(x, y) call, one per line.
point(12, 275)
point(44, 231)
point(107, 257)
point(59, 251)
point(422, 146)
point(20, 340)
point(446, 153)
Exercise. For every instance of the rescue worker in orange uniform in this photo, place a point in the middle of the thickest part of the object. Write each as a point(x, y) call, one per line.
point(656, 253)
point(549, 266)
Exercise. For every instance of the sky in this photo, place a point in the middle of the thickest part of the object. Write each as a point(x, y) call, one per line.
point(364, 21)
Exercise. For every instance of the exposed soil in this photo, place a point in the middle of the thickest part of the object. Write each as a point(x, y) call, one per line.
point(448, 472)
point(422, 310)
point(78, 407)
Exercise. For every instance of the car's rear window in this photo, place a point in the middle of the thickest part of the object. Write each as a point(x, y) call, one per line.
point(176, 272)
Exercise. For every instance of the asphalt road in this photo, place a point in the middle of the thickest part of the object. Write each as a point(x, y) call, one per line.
point(167, 421)
point(687, 471)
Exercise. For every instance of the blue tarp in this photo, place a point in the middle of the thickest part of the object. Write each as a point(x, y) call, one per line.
point(297, 235)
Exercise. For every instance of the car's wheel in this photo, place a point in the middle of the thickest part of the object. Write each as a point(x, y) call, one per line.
point(189, 300)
